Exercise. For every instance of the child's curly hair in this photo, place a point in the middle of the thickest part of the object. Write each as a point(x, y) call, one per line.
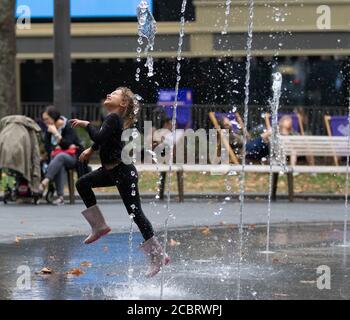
point(131, 112)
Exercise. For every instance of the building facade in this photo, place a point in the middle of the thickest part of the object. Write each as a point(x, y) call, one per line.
point(308, 40)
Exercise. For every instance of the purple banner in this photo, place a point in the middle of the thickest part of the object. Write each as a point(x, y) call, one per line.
point(339, 126)
point(166, 100)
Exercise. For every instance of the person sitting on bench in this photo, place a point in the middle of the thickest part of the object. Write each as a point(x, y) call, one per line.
point(63, 147)
point(256, 149)
point(286, 129)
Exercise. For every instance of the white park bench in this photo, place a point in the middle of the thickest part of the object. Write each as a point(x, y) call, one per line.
point(220, 169)
point(314, 146)
point(317, 146)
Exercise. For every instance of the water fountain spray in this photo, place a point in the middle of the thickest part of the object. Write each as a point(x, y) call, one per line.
point(147, 28)
point(130, 264)
point(227, 15)
point(346, 215)
point(246, 110)
point(137, 98)
point(274, 105)
point(178, 79)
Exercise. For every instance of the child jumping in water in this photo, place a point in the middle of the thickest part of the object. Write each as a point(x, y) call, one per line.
point(121, 106)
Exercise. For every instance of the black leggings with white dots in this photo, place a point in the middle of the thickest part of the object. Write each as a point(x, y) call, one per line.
point(125, 177)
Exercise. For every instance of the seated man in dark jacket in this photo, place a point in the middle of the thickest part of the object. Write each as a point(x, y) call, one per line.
point(62, 146)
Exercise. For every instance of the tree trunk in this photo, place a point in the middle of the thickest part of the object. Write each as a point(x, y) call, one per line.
point(8, 99)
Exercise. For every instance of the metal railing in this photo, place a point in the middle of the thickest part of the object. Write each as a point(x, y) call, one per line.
point(314, 116)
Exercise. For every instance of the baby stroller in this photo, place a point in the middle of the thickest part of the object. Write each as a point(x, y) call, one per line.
point(20, 158)
point(19, 189)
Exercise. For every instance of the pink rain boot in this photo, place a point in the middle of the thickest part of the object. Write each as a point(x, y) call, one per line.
point(154, 250)
point(97, 222)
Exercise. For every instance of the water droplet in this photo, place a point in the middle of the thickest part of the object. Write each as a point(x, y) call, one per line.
point(135, 135)
point(147, 28)
point(138, 97)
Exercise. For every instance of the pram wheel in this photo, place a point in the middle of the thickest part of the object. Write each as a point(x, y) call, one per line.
point(6, 198)
point(8, 195)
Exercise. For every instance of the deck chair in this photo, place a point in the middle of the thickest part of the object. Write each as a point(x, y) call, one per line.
point(337, 126)
point(298, 125)
point(236, 121)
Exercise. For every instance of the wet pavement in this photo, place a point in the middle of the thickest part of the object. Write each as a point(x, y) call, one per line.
point(44, 221)
point(205, 265)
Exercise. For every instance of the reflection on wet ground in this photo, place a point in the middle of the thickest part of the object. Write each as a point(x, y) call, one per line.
point(204, 266)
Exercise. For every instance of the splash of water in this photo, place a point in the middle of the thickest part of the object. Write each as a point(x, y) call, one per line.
point(277, 153)
point(227, 15)
point(227, 182)
point(147, 28)
point(244, 153)
point(178, 79)
point(138, 290)
point(137, 99)
point(346, 215)
point(274, 104)
point(159, 182)
point(130, 267)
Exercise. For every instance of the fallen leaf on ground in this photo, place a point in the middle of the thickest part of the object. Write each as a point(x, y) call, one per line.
point(18, 239)
point(86, 264)
point(173, 243)
point(45, 271)
point(206, 231)
point(75, 272)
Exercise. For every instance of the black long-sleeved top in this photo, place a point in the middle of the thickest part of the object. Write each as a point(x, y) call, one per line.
point(108, 139)
point(69, 137)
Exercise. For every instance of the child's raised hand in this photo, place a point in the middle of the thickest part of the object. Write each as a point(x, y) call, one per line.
point(78, 123)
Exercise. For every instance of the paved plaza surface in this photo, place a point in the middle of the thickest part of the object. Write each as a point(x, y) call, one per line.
point(203, 244)
point(41, 221)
